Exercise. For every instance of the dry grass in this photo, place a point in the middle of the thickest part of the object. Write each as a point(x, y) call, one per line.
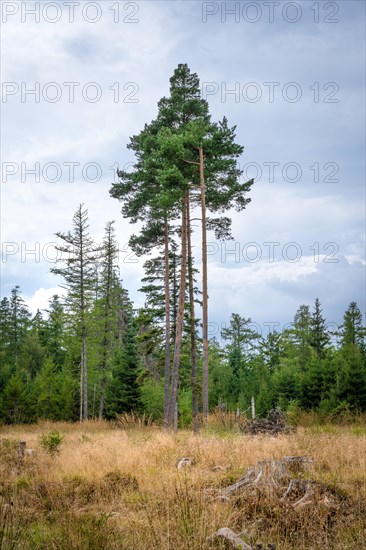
point(113, 488)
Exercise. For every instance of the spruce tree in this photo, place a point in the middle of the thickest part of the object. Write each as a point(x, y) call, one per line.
point(123, 393)
point(318, 334)
point(32, 354)
point(14, 403)
point(46, 392)
point(54, 331)
point(109, 289)
point(6, 355)
point(79, 255)
point(300, 335)
point(19, 322)
point(241, 340)
point(352, 330)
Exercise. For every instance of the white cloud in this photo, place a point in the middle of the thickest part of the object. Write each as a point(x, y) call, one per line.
point(40, 299)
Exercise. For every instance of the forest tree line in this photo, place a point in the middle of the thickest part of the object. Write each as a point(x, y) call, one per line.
point(304, 365)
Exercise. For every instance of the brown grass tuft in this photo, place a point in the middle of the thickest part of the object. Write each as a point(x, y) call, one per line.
point(113, 488)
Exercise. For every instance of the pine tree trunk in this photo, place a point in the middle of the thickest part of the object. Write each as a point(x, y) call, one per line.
point(180, 318)
point(195, 410)
point(85, 375)
point(174, 295)
point(204, 292)
point(167, 322)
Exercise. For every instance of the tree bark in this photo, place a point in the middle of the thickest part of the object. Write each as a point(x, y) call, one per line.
point(102, 383)
point(204, 291)
point(81, 387)
point(167, 322)
point(107, 309)
point(85, 374)
point(195, 409)
point(180, 318)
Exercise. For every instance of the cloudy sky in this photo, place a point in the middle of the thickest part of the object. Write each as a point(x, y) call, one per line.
point(79, 78)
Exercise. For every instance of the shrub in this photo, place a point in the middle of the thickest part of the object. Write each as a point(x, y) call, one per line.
point(51, 442)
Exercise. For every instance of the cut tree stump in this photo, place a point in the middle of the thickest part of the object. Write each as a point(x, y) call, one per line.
point(270, 473)
point(276, 479)
point(280, 482)
point(21, 453)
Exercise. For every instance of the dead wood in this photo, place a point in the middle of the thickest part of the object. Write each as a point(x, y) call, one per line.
point(184, 462)
point(235, 540)
point(231, 537)
point(270, 473)
point(275, 479)
point(274, 424)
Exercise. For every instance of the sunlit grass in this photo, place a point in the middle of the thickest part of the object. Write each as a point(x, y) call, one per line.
point(115, 488)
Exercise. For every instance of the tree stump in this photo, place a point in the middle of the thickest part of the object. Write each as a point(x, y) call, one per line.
point(21, 453)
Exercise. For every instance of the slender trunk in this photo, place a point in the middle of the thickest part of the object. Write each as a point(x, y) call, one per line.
point(167, 322)
point(85, 375)
point(103, 380)
point(94, 396)
point(81, 387)
point(195, 410)
point(175, 304)
point(204, 291)
point(107, 309)
point(84, 369)
point(180, 318)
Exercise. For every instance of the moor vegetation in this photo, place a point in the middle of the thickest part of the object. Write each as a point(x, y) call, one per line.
point(117, 486)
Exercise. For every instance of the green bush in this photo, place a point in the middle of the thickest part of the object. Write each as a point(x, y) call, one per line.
point(185, 408)
point(152, 398)
point(294, 412)
point(51, 442)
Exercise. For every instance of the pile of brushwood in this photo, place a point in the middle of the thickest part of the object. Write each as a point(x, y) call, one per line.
point(274, 424)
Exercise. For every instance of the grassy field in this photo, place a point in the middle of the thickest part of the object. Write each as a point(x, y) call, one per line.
point(114, 488)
